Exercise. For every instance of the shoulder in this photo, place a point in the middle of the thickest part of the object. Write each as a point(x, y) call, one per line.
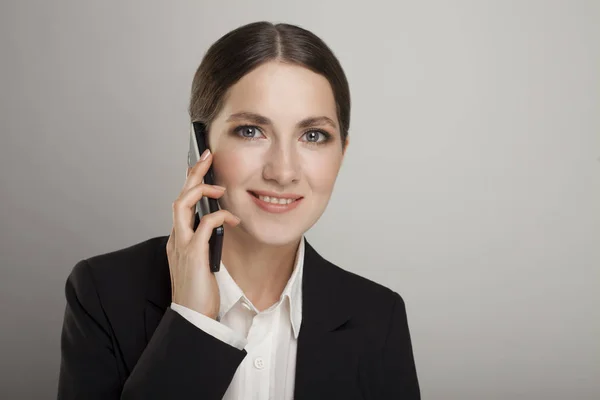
point(127, 262)
point(365, 294)
point(372, 306)
point(119, 273)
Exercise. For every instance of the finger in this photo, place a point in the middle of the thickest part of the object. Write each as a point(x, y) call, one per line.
point(208, 223)
point(183, 209)
point(208, 191)
point(196, 174)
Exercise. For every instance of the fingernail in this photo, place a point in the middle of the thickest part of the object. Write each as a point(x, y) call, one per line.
point(219, 187)
point(205, 155)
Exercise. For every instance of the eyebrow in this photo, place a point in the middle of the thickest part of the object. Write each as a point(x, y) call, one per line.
point(262, 120)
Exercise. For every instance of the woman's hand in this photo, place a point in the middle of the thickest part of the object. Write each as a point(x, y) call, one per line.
point(193, 285)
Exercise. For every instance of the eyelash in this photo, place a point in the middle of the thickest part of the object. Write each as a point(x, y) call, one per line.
point(325, 134)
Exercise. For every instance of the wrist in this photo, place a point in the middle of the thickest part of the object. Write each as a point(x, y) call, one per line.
point(210, 312)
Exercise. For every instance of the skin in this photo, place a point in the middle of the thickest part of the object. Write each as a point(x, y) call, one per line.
point(273, 154)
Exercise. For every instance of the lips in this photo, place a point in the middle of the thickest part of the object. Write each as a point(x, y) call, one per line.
point(275, 202)
point(263, 193)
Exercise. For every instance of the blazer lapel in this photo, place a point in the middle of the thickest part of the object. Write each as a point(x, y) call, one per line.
point(326, 366)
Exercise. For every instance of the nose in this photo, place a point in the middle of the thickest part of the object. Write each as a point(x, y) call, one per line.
point(282, 165)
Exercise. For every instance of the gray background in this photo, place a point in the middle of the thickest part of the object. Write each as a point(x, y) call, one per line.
point(475, 132)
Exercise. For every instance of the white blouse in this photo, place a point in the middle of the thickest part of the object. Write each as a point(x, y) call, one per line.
point(269, 337)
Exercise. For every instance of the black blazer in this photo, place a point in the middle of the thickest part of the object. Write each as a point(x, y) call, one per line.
point(120, 339)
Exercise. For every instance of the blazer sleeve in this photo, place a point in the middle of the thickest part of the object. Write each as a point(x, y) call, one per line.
point(399, 372)
point(180, 361)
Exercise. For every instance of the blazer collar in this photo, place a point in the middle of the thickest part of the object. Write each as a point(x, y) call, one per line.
point(322, 300)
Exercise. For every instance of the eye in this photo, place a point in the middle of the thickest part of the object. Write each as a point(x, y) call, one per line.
point(248, 132)
point(316, 136)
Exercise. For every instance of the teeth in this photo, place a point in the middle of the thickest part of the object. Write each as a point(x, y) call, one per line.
point(275, 200)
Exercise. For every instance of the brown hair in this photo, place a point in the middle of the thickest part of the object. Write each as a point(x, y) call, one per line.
point(240, 51)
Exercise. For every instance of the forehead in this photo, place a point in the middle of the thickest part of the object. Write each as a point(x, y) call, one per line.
point(281, 91)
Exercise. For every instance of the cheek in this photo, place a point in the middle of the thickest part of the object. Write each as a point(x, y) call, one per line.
point(233, 166)
point(321, 171)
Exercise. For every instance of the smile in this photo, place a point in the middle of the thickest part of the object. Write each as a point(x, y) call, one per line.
point(272, 203)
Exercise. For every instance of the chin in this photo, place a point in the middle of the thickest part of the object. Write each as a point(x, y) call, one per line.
point(274, 234)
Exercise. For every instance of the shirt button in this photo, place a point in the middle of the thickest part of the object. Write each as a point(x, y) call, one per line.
point(246, 306)
point(259, 363)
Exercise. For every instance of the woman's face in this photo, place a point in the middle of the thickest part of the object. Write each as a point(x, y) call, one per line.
point(277, 134)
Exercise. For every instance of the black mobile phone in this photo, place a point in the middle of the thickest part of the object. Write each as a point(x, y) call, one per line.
point(206, 205)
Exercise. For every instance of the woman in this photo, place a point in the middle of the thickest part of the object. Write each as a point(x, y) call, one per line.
point(277, 321)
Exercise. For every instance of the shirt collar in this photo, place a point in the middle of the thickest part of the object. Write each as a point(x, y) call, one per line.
point(293, 290)
point(231, 293)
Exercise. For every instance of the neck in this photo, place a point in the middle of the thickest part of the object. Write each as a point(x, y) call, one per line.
point(260, 270)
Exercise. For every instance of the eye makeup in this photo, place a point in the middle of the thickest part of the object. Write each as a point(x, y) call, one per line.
point(239, 131)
